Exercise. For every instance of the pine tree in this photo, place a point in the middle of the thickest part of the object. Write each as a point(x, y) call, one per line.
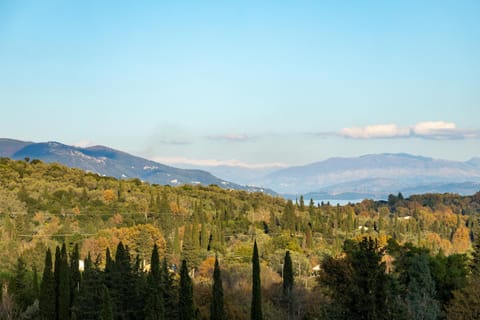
point(47, 290)
point(217, 309)
point(107, 313)
point(186, 309)
point(256, 308)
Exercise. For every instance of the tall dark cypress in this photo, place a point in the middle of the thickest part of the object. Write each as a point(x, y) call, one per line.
point(123, 284)
point(287, 274)
point(256, 308)
point(186, 309)
point(63, 286)
point(47, 290)
point(56, 275)
point(154, 308)
point(20, 286)
point(170, 295)
point(107, 313)
point(217, 309)
point(88, 303)
point(75, 275)
point(36, 287)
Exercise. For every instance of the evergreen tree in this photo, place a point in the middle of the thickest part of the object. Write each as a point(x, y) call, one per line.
point(123, 284)
point(302, 204)
point(420, 299)
point(154, 307)
point(88, 302)
point(20, 286)
point(169, 293)
point(63, 286)
point(186, 310)
point(287, 274)
point(56, 274)
point(288, 282)
point(357, 283)
point(36, 286)
point(107, 313)
point(217, 309)
point(204, 236)
point(256, 307)
point(289, 218)
point(176, 242)
point(75, 275)
point(47, 290)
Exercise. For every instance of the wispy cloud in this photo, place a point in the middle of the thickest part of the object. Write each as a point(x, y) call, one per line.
point(436, 130)
point(84, 143)
point(216, 163)
point(231, 137)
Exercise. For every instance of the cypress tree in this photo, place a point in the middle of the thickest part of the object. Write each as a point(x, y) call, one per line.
point(107, 313)
point(154, 308)
point(88, 303)
point(75, 275)
point(176, 242)
point(204, 236)
point(63, 286)
point(287, 274)
point(123, 285)
point(36, 287)
point(56, 274)
point(420, 297)
point(169, 294)
point(47, 290)
point(256, 308)
point(186, 309)
point(217, 309)
point(20, 287)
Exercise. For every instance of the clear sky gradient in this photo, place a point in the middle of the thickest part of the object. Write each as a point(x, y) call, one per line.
point(254, 82)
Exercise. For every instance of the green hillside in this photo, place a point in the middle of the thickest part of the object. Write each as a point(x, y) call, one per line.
point(44, 205)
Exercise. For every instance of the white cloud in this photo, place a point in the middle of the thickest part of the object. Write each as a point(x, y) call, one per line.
point(216, 163)
point(375, 131)
point(441, 130)
point(84, 144)
point(437, 130)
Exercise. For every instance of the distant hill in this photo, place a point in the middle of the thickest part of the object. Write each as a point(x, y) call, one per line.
point(377, 175)
point(109, 162)
point(8, 147)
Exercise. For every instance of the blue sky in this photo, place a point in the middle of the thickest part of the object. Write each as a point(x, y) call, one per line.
point(251, 82)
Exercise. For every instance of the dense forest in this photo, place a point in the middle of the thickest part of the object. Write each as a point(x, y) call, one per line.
point(77, 245)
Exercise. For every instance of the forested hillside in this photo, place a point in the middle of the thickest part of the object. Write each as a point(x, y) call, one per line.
point(44, 205)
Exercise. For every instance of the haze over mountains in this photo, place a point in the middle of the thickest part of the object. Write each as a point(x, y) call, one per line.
point(370, 176)
point(109, 162)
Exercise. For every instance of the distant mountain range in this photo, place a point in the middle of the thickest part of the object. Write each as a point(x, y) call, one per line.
point(109, 162)
point(371, 176)
point(376, 176)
